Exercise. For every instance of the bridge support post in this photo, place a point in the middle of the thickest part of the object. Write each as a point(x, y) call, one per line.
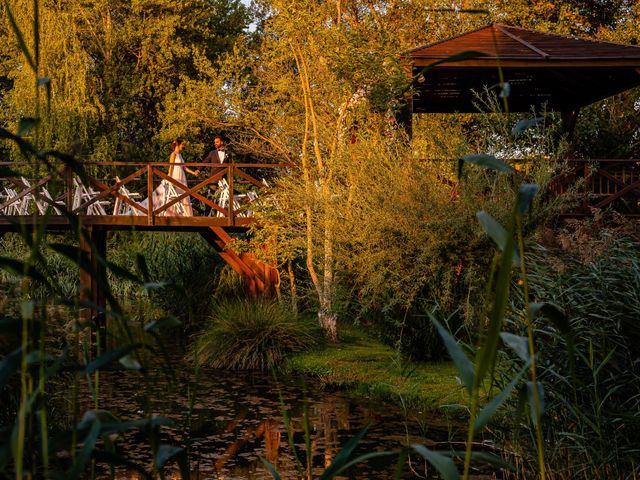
point(260, 278)
point(93, 277)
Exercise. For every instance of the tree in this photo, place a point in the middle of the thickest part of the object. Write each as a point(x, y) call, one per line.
point(111, 65)
point(322, 71)
point(322, 92)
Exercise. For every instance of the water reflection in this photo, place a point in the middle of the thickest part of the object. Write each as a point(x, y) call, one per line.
point(237, 418)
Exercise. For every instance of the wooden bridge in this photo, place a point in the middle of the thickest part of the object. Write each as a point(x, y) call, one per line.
point(105, 196)
point(110, 194)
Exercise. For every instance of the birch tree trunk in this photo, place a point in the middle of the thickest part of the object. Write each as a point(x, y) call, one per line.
point(323, 284)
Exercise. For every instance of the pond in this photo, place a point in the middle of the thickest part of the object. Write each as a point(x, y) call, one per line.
point(237, 418)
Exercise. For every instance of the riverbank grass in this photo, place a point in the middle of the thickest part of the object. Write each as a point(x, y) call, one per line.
point(367, 367)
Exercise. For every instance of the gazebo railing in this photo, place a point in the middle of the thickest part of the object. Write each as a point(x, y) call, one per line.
point(595, 183)
point(601, 183)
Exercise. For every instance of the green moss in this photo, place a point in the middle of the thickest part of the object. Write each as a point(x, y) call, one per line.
point(367, 367)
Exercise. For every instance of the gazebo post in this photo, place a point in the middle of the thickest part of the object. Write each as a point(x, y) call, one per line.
point(569, 119)
point(405, 117)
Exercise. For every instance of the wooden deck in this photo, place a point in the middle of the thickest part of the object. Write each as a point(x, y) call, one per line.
point(125, 222)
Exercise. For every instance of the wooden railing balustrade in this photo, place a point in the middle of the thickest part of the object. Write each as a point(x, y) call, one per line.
point(600, 184)
point(222, 198)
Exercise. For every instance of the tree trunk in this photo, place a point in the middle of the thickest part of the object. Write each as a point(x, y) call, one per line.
point(328, 322)
point(292, 286)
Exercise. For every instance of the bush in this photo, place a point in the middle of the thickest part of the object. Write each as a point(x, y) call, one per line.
point(253, 334)
point(185, 260)
point(411, 332)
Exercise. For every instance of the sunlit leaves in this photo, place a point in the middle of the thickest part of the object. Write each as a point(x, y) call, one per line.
point(19, 37)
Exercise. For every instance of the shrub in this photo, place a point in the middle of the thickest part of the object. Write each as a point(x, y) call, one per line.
point(183, 259)
point(411, 332)
point(252, 334)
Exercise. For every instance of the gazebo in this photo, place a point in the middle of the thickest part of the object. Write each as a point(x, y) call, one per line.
point(561, 72)
point(543, 70)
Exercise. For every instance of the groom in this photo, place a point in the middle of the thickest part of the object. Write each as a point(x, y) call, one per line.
point(216, 156)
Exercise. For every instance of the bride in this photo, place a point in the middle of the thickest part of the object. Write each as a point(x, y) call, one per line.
point(166, 191)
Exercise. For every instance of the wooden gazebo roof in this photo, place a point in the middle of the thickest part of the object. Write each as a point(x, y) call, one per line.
point(562, 72)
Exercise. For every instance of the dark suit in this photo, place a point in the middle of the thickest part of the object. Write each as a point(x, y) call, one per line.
point(213, 158)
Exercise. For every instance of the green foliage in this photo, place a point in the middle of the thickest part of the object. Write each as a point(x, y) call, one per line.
point(59, 267)
point(28, 444)
point(184, 262)
point(609, 129)
point(173, 259)
point(410, 331)
point(44, 352)
point(110, 67)
point(252, 334)
point(475, 372)
point(122, 77)
point(228, 284)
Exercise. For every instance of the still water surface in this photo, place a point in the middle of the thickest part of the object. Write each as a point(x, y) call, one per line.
point(237, 418)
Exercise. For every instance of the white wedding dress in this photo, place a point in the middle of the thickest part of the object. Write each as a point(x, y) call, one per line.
point(167, 191)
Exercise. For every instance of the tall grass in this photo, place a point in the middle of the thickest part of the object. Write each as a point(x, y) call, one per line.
point(253, 334)
point(592, 381)
point(477, 371)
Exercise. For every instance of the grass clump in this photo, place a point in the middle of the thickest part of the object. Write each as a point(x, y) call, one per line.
point(244, 334)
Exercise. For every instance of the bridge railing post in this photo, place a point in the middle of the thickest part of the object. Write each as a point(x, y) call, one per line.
point(149, 194)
